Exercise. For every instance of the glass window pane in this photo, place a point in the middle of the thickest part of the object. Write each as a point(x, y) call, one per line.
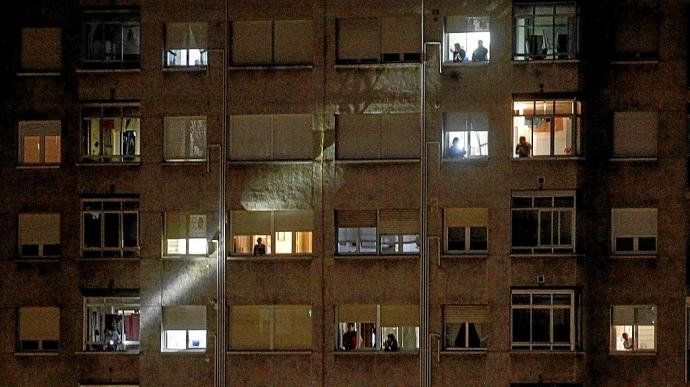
point(566, 227)
point(284, 242)
point(563, 136)
point(524, 228)
point(177, 246)
point(647, 244)
point(624, 244)
point(347, 239)
point(130, 235)
point(304, 242)
point(541, 299)
point(198, 246)
point(111, 230)
point(456, 239)
point(546, 202)
point(478, 240)
point(31, 149)
point(452, 333)
point(562, 299)
point(541, 325)
point(521, 325)
point(561, 325)
point(92, 229)
point(541, 140)
point(389, 244)
point(367, 239)
point(176, 339)
point(521, 299)
point(545, 228)
point(197, 339)
point(52, 149)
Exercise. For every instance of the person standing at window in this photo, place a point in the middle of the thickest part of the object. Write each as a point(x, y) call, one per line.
point(391, 344)
point(523, 148)
point(480, 53)
point(458, 54)
point(455, 151)
point(627, 342)
point(350, 338)
point(259, 247)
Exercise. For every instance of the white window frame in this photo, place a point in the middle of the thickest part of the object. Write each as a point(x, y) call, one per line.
point(128, 111)
point(466, 323)
point(187, 157)
point(575, 122)
point(553, 56)
point(530, 345)
point(133, 303)
point(129, 23)
point(164, 333)
point(42, 133)
point(553, 248)
point(635, 330)
point(121, 250)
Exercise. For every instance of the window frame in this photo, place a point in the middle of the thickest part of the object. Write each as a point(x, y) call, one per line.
point(378, 331)
point(383, 57)
point(41, 345)
point(121, 251)
point(467, 231)
point(164, 333)
point(272, 233)
point(573, 326)
point(555, 56)
point(129, 17)
point(463, 325)
point(43, 133)
point(540, 248)
point(378, 240)
point(635, 329)
point(468, 130)
point(124, 302)
point(635, 237)
point(187, 215)
point(448, 58)
point(575, 123)
point(85, 128)
point(187, 157)
point(203, 52)
point(41, 247)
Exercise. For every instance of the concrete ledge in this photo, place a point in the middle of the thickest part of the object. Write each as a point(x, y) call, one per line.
point(108, 353)
point(36, 354)
point(374, 353)
point(270, 353)
point(271, 67)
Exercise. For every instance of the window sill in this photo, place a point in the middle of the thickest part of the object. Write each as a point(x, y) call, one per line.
point(377, 65)
point(38, 260)
point(32, 354)
point(184, 162)
point(107, 353)
point(38, 166)
point(375, 353)
point(467, 64)
point(633, 256)
point(465, 256)
point(187, 257)
point(548, 158)
point(270, 353)
point(183, 352)
point(632, 353)
point(109, 164)
point(377, 161)
point(270, 258)
point(626, 159)
point(546, 352)
point(636, 62)
point(39, 73)
point(100, 71)
point(465, 351)
point(547, 255)
point(469, 160)
point(271, 67)
point(269, 162)
point(185, 69)
point(380, 256)
point(89, 259)
point(546, 61)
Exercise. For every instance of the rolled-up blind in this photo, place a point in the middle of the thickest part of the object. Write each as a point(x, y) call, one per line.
point(39, 127)
point(634, 221)
point(293, 220)
point(175, 225)
point(465, 313)
point(399, 315)
point(357, 313)
point(197, 226)
point(39, 323)
point(251, 222)
point(623, 315)
point(466, 217)
point(646, 315)
point(355, 218)
point(39, 229)
point(399, 222)
point(399, 136)
point(184, 317)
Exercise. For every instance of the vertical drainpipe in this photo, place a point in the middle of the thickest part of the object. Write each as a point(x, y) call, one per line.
point(425, 349)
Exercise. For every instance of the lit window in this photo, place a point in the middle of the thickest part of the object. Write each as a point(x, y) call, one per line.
point(271, 137)
point(543, 320)
point(471, 131)
point(377, 136)
point(357, 327)
point(635, 134)
point(112, 324)
point(633, 328)
point(281, 232)
point(270, 327)
point(466, 230)
point(356, 232)
point(186, 45)
point(184, 328)
point(399, 231)
point(378, 40)
point(545, 31)
point(111, 38)
point(39, 329)
point(111, 133)
point(185, 138)
point(39, 235)
point(41, 49)
point(543, 223)
point(546, 128)
point(467, 39)
point(633, 230)
point(280, 42)
point(39, 142)
point(185, 234)
point(465, 327)
point(110, 228)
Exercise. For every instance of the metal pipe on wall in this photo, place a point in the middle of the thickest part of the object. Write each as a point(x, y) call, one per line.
point(424, 353)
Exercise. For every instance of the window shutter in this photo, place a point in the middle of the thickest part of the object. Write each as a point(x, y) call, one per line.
point(358, 136)
point(39, 323)
point(357, 313)
point(355, 218)
point(197, 226)
point(175, 132)
point(635, 134)
point(399, 136)
point(399, 222)
point(175, 225)
point(466, 217)
point(633, 221)
point(176, 36)
point(399, 315)
point(184, 317)
point(292, 327)
point(293, 41)
point(251, 222)
point(250, 137)
point(292, 136)
point(646, 315)
point(637, 32)
point(623, 315)
point(358, 39)
point(41, 49)
point(465, 313)
point(251, 42)
point(400, 35)
point(39, 229)
point(251, 327)
point(456, 24)
point(39, 127)
point(294, 220)
point(197, 36)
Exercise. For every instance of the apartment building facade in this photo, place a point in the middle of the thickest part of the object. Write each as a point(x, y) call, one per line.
point(446, 193)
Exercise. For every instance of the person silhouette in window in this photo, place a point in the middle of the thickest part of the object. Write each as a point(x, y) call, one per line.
point(259, 247)
point(480, 53)
point(350, 338)
point(523, 148)
point(455, 152)
point(627, 342)
point(391, 344)
point(459, 53)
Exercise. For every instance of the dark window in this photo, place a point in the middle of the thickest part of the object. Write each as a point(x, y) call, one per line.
point(543, 224)
point(111, 39)
point(110, 228)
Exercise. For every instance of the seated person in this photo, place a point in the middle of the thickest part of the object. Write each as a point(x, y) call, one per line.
point(111, 339)
point(455, 152)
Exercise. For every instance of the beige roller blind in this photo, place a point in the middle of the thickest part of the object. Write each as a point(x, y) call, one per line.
point(292, 136)
point(251, 222)
point(400, 34)
point(197, 226)
point(358, 136)
point(637, 30)
point(184, 317)
point(633, 221)
point(399, 315)
point(465, 313)
point(357, 313)
point(197, 36)
point(292, 327)
point(39, 229)
point(175, 137)
point(293, 41)
point(39, 127)
point(250, 137)
point(623, 315)
point(293, 220)
point(252, 42)
point(398, 222)
point(465, 121)
point(456, 24)
point(635, 134)
point(180, 36)
point(358, 39)
point(39, 323)
point(175, 225)
point(646, 315)
point(466, 217)
point(355, 218)
point(399, 136)
point(251, 327)
point(41, 49)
